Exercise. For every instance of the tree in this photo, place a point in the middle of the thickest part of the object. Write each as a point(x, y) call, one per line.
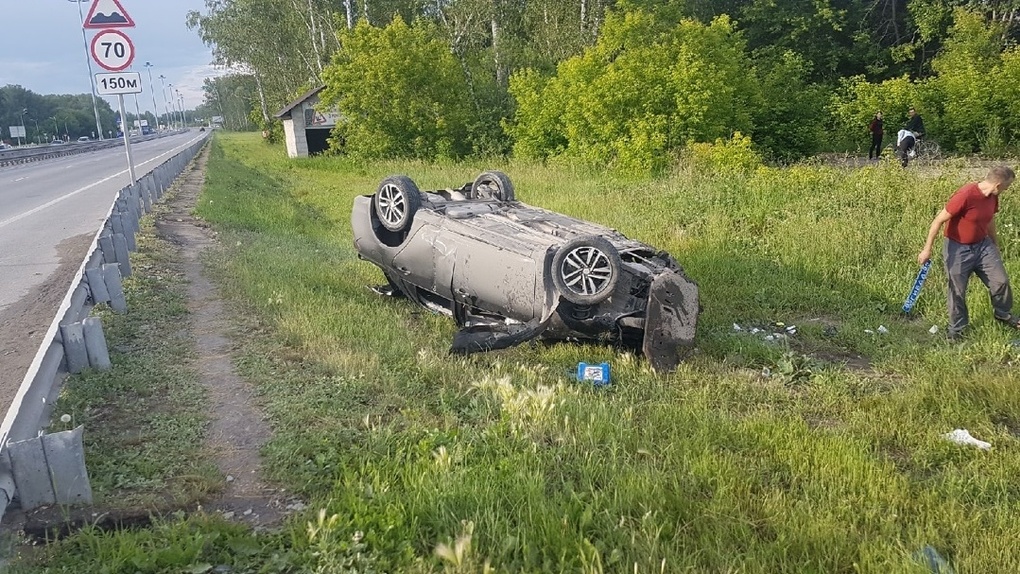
point(400, 93)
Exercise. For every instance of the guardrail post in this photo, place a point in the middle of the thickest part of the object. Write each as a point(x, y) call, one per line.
point(31, 477)
point(72, 338)
point(122, 221)
point(95, 344)
point(146, 193)
point(120, 247)
point(97, 285)
point(51, 469)
point(111, 276)
point(106, 246)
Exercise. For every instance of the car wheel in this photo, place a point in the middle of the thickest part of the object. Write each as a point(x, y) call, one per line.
point(586, 269)
point(493, 185)
point(396, 202)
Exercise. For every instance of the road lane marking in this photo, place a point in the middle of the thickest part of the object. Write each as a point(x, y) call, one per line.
point(53, 202)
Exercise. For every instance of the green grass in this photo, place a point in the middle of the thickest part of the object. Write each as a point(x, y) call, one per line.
point(415, 460)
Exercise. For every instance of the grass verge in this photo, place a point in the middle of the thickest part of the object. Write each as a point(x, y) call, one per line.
point(416, 461)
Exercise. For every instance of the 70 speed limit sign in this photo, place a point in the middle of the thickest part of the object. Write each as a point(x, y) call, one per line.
point(113, 50)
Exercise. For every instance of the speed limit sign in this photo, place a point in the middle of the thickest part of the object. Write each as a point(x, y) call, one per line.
point(113, 50)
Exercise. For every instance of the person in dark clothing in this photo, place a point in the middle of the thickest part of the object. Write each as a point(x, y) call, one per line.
point(908, 136)
point(915, 123)
point(875, 127)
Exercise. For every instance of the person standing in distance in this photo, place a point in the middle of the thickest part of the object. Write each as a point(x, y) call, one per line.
point(875, 127)
point(971, 247)
point(912, 131)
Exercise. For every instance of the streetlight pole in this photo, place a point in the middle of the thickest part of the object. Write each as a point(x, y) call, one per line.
point(166, 113)
point(88, 61)
point(36, 129)
point(22, 114)
point(173, 106)
point(155, 112)
point(180, 101)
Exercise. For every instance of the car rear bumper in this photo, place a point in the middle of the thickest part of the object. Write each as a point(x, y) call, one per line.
point(671, 319)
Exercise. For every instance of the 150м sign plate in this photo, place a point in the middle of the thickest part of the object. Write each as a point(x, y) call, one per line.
point(120, 83)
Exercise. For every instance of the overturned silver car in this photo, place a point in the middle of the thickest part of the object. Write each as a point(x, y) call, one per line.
point(509, 272)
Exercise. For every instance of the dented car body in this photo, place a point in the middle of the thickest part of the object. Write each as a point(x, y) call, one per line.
point(508, 272)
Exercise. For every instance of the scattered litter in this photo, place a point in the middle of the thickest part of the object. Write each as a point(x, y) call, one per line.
point(933, 560)
point(934, 329)
point(963, 436)
point(766, 372)
point(830, 331)
point(869, 331)
point(770, 332)
point(296, 506)
point(228, 515)
point(882, 329)
point(247, 512)
point(230, 478)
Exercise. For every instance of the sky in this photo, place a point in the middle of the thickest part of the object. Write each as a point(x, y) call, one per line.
point(41, 49)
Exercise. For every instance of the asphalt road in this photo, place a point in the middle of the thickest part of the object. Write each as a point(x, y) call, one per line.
point(50, 212)
point(44, 203)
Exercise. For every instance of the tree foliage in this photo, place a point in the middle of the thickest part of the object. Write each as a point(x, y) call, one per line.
point(624, 82)
point(639, 93)
point(400, 93)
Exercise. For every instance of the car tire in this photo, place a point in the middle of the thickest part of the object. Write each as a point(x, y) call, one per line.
point(585, 270)
point(396, 202)
point(492, 185)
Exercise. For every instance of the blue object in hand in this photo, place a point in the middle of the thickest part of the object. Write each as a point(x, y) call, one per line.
point(597, 374)
point(915, 291)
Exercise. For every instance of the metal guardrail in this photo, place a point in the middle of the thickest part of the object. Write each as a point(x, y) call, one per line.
point(27, 154)
point(41, 473)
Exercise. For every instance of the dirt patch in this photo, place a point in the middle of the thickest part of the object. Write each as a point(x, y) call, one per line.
point(23, 324)
point(237, 428)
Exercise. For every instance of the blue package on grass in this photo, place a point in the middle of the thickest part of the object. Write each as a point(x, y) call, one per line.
point(598, 374)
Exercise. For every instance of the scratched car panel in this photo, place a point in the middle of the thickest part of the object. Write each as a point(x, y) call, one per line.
point(508, 272)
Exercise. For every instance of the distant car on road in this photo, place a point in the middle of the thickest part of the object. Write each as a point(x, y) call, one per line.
point(84, 139)
point(57, 142)
point(508, 272)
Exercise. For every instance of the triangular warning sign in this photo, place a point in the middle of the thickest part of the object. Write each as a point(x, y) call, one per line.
point(108, 14)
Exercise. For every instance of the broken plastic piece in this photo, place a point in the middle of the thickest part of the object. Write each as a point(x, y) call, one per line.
point(882, 329)
point(933, 560)
point(963, 436)
point(934, 329)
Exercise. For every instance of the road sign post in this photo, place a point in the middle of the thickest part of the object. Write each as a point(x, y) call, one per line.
point(114, 51)
point(127, 139)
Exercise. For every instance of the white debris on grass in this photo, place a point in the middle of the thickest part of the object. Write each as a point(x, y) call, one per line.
point(737, 327)
point(934, 329)
point(882, 329)
point(963, 436)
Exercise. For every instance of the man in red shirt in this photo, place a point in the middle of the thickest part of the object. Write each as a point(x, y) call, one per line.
point(971, 248)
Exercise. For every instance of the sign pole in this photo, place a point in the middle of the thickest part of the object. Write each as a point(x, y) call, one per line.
point(127, 138)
